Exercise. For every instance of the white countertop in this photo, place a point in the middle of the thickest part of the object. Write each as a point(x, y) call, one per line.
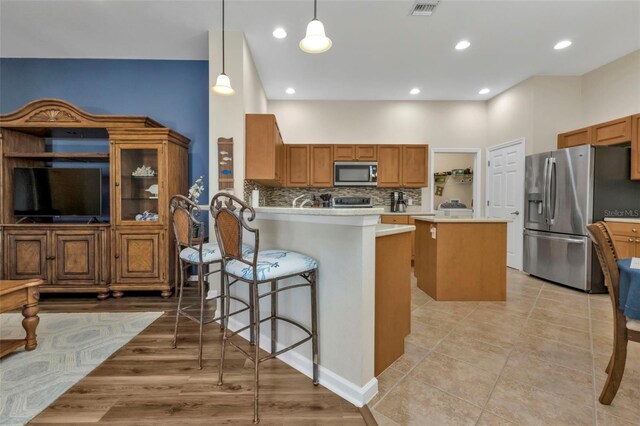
point(453, 219)
point(310, 211)
point(418, 213)
point(383, 230)
point(622, 219)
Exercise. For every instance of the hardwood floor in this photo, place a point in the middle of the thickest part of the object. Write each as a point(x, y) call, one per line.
point(148, 383)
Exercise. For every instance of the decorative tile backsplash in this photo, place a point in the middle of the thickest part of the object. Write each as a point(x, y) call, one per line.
point(282, 197)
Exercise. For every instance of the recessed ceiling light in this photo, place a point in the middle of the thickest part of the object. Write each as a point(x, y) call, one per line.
point(562, 44)
point(463, 44)
point(290, 91)
point(414, 91)
point(484, 91)
point(279, 33)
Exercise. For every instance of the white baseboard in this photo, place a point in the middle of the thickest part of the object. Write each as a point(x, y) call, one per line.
point(357, 395)
point(211, 294)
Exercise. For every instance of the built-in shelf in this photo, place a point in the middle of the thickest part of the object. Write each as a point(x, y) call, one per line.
point(61, 156)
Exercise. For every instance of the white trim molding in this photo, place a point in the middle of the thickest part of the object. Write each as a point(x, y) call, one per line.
point(356, 395)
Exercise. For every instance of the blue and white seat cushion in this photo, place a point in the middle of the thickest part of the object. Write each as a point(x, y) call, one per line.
point(272, 264)
point(210, 253)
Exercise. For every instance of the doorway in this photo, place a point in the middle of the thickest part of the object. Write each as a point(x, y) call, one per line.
point(454, 181)
point(505, 193)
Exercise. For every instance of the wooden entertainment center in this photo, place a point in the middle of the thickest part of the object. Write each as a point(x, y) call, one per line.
point(126, 254)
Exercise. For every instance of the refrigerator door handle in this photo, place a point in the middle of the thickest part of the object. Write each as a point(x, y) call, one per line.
point(552, 193)
point(547, 237)
point(544, 191)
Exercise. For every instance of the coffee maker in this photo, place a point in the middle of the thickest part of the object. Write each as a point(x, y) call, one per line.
point(398, 202)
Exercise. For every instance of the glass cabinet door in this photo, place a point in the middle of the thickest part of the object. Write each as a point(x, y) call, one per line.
point(139, 185)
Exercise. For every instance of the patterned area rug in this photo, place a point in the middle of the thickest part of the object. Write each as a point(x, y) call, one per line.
point(69, 347)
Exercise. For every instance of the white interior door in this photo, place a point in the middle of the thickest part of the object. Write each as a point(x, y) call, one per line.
point(505, 194)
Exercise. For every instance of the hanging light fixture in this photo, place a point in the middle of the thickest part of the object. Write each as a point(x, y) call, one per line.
point(223, 83)
point(316, 40)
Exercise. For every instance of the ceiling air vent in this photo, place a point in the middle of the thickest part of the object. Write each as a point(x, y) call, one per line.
point(424, 8)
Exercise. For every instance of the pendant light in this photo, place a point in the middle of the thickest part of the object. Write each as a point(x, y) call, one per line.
point(223, 84)
point(316, 40)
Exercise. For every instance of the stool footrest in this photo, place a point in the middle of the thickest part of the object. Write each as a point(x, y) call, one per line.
point(288, 348)
point(289, 287)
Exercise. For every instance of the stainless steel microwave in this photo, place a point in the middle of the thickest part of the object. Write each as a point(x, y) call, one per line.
point(355, 174)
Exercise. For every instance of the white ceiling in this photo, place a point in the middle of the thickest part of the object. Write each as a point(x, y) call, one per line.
point(379, 51)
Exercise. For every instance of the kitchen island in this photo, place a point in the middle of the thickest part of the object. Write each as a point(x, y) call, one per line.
point(343, 241)
point(461, 259)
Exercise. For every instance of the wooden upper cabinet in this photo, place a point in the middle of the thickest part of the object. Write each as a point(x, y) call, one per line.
point(366, 153)
point(321, 161)
point(344, 152)
point(264, 152)
point(635, 147)
point(297, 166)
point(612, 132)
point(389, 166)
point(574, 138)
point(355, 153)
point(414, 166)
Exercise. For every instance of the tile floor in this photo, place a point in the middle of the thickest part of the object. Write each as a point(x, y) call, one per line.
point(538, 358)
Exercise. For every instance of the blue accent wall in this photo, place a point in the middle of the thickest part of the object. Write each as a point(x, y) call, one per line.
point(174, 93)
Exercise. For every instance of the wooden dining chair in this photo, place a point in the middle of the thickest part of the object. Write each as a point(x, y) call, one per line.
point(624, 329)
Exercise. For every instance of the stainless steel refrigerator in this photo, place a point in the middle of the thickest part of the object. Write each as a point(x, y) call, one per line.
point(565, 191)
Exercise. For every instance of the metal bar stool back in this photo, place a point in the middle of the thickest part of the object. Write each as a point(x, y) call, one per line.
point(191, 250)
point(231, 216)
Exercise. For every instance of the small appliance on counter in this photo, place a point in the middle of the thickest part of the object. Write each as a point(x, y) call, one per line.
point(398, 202)
point(454, 208)
point(351, 202)
point(325, 200)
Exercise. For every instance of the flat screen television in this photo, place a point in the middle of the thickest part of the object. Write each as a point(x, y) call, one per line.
point(51, 192)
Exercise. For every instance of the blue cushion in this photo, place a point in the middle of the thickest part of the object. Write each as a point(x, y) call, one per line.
point(272, 264)
point(210, 253)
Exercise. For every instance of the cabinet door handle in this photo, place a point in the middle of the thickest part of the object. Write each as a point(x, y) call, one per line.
point(634, 229)
point(117, 256)
point(630, 240)
point(117, 184)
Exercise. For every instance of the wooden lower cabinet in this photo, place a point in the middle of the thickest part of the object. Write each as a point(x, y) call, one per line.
point(68, 258)
point(140, 262)
point(402, 220)
point(26, 255)
point(626, 238)
point(393, 299)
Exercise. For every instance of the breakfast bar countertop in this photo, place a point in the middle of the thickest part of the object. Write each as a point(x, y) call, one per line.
point(453, 219)
point(383, 230)
point(315, 211)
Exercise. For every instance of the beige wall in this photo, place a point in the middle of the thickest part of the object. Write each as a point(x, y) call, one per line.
point(510, 115)
point(226, 113)
point(255, 99)
point(543, 106)
point(612, 91)
point(437, 123)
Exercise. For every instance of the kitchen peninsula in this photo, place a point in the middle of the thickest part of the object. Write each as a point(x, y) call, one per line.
point(461, 259)
point(343, 241)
